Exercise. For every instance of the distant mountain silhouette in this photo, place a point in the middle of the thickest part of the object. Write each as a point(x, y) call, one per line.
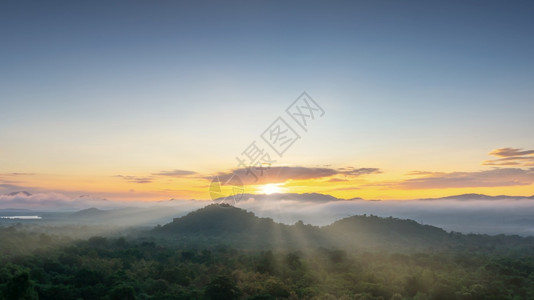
point(121, 217)
point(10, 210)
point(318, 197)
point(480, 197)
point(88, 213)
point(314, 197)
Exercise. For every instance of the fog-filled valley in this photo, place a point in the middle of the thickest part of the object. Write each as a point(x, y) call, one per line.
point(469, 213)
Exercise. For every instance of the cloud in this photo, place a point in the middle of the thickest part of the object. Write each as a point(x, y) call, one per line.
point(511, 161)
point(421, 173)
point(135, 179)
point(51, 200)
point(150, 178)
point(511, 157)
point(7, 186)
point(175, 173)
point(275, 174)
point(357, 172)
point(281, 174)
point(507, 152)
point(491, 178)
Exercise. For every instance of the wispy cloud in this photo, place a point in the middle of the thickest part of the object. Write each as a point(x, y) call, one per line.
point(17, 174)
point(151, 178)
point(350, 171)
point(135, 179)
point(284, 173)
point(422, 173)
point(8, 185)
point(490, 178)
point(175, 173)
point(511, 157)
point(507, 152)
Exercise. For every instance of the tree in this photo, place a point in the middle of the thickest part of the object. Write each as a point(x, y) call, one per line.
point(266, 263)
point(123, 292)
point(222, 287)
point(412, 285)
point(293, 261)
point(20, 287)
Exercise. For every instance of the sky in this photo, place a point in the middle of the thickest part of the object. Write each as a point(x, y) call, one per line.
point(145, 101)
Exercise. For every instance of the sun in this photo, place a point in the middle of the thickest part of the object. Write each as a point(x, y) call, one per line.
point(270, 188)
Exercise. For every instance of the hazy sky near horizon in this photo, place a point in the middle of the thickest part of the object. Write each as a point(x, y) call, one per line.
point(147, 100)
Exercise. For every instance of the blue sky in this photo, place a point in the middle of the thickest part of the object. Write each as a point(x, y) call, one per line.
point(95, 87)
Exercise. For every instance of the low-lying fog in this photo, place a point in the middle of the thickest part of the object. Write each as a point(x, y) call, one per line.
point(509, 216)
point(471, 216)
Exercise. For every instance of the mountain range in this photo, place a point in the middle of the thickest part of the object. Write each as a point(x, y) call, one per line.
point(309, 197)
point(318, 197)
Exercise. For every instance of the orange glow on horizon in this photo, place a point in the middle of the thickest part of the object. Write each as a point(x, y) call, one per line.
point(138, 188)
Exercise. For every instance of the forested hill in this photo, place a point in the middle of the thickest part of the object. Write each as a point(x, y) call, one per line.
point(225, 224)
